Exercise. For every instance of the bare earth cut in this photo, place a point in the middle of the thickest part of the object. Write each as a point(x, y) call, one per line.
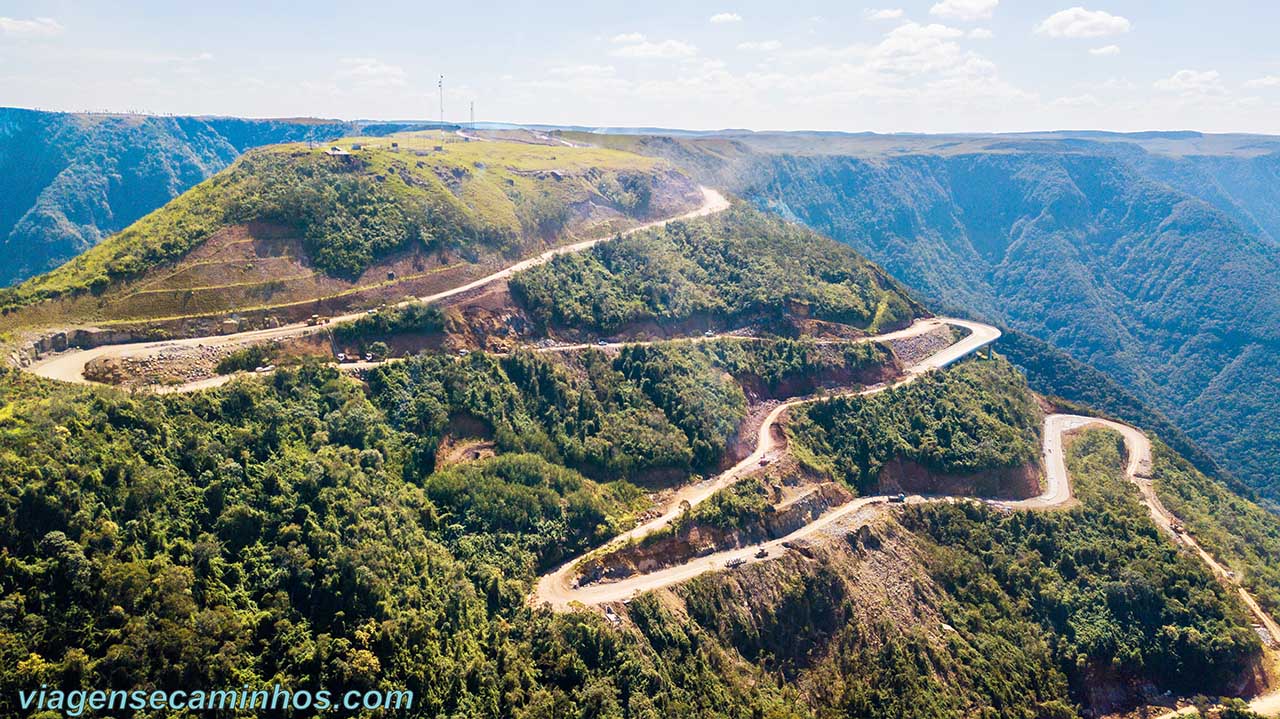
point(69, 366)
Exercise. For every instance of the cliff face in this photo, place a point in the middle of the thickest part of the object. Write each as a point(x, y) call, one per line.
point(1151, 259)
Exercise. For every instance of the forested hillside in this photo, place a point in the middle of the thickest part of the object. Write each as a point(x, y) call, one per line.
point(360, 526)
point(1151, 259)
point(310, 530)
point(70, 179)
point(734, 266)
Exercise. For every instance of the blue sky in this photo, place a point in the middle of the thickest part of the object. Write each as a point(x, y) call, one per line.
point(909, 65)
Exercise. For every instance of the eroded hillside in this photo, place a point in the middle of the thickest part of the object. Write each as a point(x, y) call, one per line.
point(293, 229)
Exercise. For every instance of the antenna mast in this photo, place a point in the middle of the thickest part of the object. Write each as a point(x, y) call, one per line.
point(440, 85)
point(473, 114)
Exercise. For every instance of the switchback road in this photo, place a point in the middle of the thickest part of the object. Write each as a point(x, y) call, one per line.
point(69, 366)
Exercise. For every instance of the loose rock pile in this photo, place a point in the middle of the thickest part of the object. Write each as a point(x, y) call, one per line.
point(170, 366)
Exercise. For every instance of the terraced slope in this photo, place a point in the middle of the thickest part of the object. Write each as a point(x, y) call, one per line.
point(376, 220)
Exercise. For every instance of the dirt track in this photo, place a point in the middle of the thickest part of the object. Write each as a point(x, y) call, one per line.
point(556, 590)
point(69, 366)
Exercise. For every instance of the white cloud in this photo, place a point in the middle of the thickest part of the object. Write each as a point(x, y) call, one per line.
point(1266, 81)
point(1085, 100)
point(1192, 83)
point(1078, 22)
point(981, 33)
point(760, 46)
point(628, 37)
point(1117, 83)
point(893, 13)
point(371, 72)
point(39, 27)
point(584, 71)
point(965, 10)
point(648, 49)
point(721, 18)
point(914, 69)
point(1105, 50)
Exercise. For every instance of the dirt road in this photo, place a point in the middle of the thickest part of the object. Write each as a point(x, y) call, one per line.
point(69, 366)
point(555, 588)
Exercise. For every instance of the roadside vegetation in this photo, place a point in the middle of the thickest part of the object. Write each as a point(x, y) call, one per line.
point(246, 359)
point(1114, 599)
point(977, 416)
point(371, 331)
point(736, 265)
point(1239, 533)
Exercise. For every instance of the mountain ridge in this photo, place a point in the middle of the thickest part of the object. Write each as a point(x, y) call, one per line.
point(1169, 292)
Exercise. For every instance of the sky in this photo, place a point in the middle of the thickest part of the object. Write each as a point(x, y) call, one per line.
point(887, 66)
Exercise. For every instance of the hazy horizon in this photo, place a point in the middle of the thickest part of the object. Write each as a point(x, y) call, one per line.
point(919, 66)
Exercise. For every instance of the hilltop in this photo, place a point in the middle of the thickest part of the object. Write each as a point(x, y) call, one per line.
point(291, 229)
point(72, 179)
point(386, 522)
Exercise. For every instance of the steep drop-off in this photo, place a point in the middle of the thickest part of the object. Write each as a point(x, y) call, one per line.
point(1152, 258)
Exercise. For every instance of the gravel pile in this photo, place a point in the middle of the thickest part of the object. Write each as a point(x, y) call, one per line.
point(911, 350)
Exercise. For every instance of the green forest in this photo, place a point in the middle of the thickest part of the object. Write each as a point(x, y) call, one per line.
point(1113, 595)
point(737, 265)
point(653, 412)
point(298, 529)
point(976, 417)
point(276, 532)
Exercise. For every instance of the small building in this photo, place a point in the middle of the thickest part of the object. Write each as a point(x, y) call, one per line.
point(336, 151)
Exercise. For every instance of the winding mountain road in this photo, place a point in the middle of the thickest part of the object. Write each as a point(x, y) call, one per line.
point(556, 588)
point(69, 366)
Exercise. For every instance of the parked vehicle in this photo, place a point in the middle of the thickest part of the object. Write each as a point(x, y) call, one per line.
point(762, 553)
point(735, 563)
